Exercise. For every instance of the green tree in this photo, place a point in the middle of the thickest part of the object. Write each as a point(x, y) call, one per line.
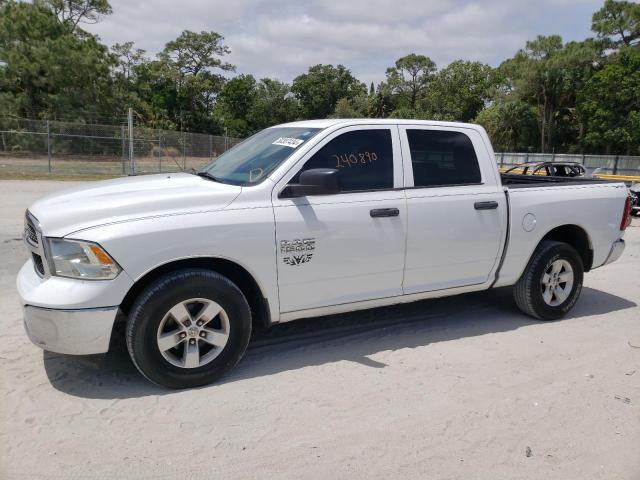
point(360, 106)
point(322, 86)
point(128, 58)
point(47, 69)
point(154, 87)
point(547, 74)
point(234, 102)
point(195, 52)
point(579, 96)
point(73, 12)
point(578, 61)
point(511, 125)
point(127, 90)
point(245, 106)
point(409, 78)
point(617, 22)
point(381, 101)
point(273, 103)
point(184, 81)
point(610, 101)
point(460, 91)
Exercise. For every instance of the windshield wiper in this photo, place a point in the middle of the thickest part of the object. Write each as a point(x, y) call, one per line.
point(209, 176)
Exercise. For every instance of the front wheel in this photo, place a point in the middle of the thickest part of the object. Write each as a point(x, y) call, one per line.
point(188, 328)
point(552, 281)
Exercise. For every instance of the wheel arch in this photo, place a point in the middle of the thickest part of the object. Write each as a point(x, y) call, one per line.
point(575, 236)
point(235, 272)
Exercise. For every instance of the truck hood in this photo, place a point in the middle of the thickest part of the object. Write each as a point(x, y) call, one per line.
point(127, 199)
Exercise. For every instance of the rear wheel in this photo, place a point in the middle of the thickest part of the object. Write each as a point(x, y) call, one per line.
point(552, 281)
point(188, 328)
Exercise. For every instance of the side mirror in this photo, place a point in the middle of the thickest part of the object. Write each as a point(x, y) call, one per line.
point(316, 181)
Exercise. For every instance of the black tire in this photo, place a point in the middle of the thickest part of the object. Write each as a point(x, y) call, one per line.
point(528, 292)
point(153, 304)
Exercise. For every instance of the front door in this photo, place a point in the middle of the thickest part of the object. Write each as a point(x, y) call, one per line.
point(333, 249)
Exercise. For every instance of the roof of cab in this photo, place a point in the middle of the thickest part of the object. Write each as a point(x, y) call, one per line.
point(329, 122)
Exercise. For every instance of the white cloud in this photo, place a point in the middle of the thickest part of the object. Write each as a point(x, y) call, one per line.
point(151, 24)
point(377, 10)
point(283, 38)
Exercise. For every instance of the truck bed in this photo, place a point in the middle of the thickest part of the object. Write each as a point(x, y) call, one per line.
point(594, 207)
point(525, 181)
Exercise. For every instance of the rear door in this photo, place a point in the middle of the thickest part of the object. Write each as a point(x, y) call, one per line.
point(455, 210)
point(333, 249)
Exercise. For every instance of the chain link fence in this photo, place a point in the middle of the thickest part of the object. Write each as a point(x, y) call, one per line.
point(34, 147)
point(37, 147)
point(606, 164)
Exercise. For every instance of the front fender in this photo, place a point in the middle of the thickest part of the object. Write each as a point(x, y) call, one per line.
point(244, 236)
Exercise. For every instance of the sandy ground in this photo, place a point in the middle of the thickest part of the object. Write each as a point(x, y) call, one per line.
point(465, 387)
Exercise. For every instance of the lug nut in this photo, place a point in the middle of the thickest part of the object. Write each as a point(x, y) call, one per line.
point(183, 335)
point(192, 341)
point(187, 323)
point(203, 334)
point(199, 323)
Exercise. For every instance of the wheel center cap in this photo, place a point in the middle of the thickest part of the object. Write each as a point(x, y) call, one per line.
point(193, 331)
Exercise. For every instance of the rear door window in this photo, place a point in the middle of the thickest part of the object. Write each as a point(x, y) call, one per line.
point(441, 158)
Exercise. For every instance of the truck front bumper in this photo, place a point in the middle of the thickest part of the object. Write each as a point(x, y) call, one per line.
point(70, 316)
point(74, 332)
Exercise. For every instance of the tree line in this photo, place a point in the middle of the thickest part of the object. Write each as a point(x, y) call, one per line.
point(551, 96)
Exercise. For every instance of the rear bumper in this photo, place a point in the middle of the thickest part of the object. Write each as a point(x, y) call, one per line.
point(616, 250)
point(73, 332)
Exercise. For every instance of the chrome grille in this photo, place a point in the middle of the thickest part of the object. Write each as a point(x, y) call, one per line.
point(37, 263)
point(33, 240)
point(30, 232)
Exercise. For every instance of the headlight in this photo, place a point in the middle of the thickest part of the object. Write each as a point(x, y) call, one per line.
point(78, 259)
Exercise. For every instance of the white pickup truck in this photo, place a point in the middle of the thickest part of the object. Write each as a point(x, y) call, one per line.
point(301, 220)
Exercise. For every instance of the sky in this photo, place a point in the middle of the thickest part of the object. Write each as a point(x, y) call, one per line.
point(281, 39)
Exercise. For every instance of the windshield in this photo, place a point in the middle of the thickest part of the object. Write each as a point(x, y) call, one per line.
point(254, 159)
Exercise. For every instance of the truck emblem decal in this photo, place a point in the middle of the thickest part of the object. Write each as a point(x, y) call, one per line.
point(295, 260)
point(298, 248)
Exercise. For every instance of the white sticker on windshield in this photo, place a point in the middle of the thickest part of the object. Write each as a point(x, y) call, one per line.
point(288, 142)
